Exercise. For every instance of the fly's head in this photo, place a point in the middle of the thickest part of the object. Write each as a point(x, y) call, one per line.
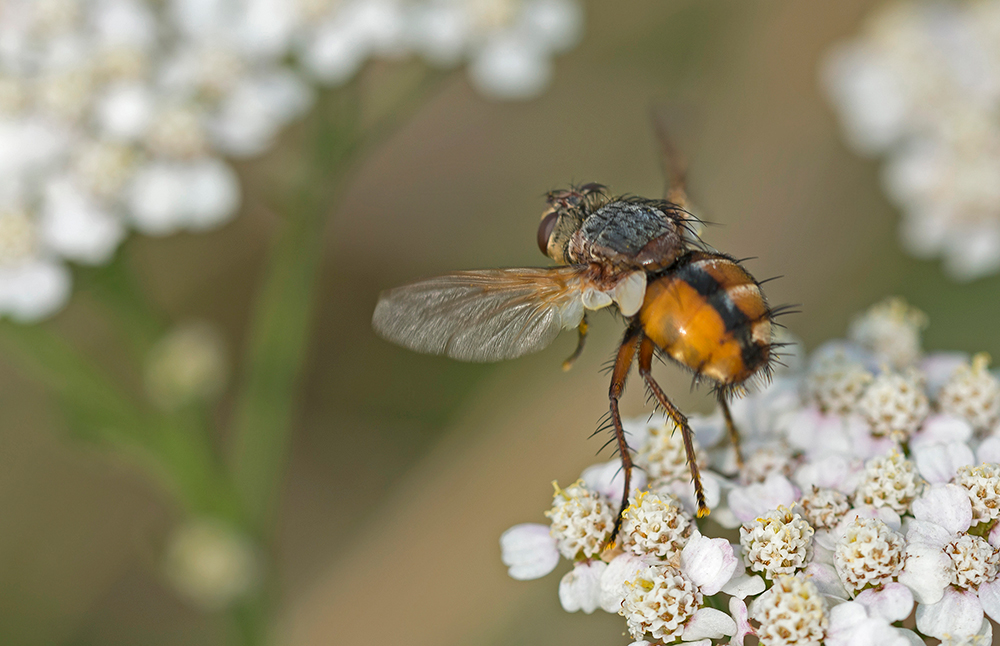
point(566, 211)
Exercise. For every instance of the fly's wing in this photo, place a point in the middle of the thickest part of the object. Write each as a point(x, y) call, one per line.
point(482, 316)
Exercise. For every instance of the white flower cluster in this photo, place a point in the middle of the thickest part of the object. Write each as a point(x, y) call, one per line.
point(921, 87)
point(118, 114)
point(864, 521)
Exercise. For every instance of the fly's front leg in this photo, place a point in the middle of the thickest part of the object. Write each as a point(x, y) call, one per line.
point(734, 435)
point(623, 363)
point(582, 330)
point(646, 349)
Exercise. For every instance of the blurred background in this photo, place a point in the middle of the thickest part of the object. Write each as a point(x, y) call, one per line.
point(405, 469)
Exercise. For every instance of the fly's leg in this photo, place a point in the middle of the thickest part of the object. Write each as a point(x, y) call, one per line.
point(623, 363)
point(646, 349)
point(734, 434)
point(582, 330)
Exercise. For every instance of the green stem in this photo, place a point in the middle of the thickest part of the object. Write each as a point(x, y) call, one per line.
point(277, 342)
point(116, 288)
point(178, 455)
point(280, 322)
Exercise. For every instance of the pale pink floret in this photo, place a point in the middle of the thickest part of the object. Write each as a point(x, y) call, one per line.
point(580, 588)
point(941, 429)
point(708, 623)
point(989, 451)
point(939, 463)
point(892, 601)
point(752, 501)
point(738, 611)
point(529, 551)
point(853, 624)
point(958, 613)
point(608, 479)
point(709, 562)
point(624, 567)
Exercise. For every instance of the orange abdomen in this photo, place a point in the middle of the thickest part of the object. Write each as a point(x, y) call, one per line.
point(709, 314)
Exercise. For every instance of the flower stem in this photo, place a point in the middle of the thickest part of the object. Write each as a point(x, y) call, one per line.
point(281, 319)
point(175, 452)
point(279, 331)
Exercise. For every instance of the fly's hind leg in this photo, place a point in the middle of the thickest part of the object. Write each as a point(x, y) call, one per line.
point(734, 434)
point(646, 349)
point(582, 330)
point(623, 363)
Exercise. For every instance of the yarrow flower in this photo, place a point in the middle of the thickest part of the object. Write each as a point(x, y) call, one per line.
point(824, 508)
point(122, 114)
point(890, 481)
point(890, 330)
point(868, 553)
point(982, 484)
point(655, 525)
point(973, 394)
point(837, 383)
point(918, 87)
point(791, 612)
point(581, 521)
point(780, 542)
point(849, 521)
point(659, 602)
point(895, 405)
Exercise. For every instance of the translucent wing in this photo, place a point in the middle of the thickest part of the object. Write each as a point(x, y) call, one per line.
point(486, 315)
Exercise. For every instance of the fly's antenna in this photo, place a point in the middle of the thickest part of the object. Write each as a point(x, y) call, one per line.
point(671, 160)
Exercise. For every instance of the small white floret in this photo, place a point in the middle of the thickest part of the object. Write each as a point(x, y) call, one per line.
point(790, 612)
point(869, 553)
point(581, 521)
point(891, 481)
point(982, 485)
point(709, 562)
point(957, 614)
point(580, 588)
point(777, 543)
point(529, 551)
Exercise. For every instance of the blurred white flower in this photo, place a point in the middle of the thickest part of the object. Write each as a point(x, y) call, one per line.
point(921, 87)
point(186, 366)
point(972, 393)
point(890, 330)
point(509, 44)
point(211, 564)
point(118, 114)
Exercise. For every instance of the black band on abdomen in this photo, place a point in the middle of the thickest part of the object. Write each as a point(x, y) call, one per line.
point(735, 321)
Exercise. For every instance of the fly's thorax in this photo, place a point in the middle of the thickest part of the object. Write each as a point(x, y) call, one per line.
point(709, 314)
point(631, 232)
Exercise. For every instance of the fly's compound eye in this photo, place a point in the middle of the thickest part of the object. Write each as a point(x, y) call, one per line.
point(545, 228)
point(592, 187)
